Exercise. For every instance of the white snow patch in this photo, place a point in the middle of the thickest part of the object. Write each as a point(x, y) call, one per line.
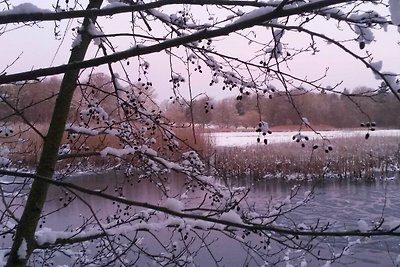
point(391, 80)
point(82, 130)
point(93, 31)
point(148, 151)
point(174, 204)
point(48, 236)
point(4, 160)
point(77, 41)
point(22, 250)
point(2, 254)
point(116, 151)
point(24, 8)
point(377, 67)
point(331, 11)
point(114, 3)
point(231, 216)
point(364, 32)
point(255, 13)
point(64, 149)
point(362, 226)
point(302, 226)
point(306, 121)
point(398, 259)
point(204, 225)
point(243, 139)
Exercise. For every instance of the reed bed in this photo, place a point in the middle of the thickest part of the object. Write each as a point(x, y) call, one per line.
point(377, 157)
point(349, 158)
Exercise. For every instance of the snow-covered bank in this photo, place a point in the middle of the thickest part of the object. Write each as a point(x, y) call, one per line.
point(241, 139)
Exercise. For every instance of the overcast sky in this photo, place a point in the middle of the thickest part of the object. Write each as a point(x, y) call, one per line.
point(39, 47)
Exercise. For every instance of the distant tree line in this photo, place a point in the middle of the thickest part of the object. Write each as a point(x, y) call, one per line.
point(339, 110)
point(35, 101)
point(31, 101)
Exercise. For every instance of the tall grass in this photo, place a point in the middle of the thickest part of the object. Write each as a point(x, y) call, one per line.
point(350, 158)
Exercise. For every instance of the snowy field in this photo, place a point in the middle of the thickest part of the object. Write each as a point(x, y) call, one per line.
point(232, 139)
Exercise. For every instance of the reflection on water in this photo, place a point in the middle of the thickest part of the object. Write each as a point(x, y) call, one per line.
point(341, 203)
point(111, 183)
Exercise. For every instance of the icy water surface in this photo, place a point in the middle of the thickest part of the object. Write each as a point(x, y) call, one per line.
point(341, 203)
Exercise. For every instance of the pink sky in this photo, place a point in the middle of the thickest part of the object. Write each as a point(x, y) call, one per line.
point(39, 46)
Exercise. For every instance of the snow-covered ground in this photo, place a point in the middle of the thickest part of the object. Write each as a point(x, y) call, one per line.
point(232, 139)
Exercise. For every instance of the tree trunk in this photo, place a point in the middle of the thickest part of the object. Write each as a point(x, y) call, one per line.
point(30, 217)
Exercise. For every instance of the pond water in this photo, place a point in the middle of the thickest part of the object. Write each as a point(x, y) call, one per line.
point(341, 203)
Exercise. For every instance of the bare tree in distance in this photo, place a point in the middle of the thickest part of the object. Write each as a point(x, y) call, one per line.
point(135, 138)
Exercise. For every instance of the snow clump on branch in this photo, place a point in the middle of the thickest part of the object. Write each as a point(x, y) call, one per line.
point(173, 204)
point(192, 162)
point(24, 8)
point(93, 31)
point(254, 13)
point(4, 160)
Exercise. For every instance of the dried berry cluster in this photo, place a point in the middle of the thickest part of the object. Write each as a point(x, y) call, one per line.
point(181, 18)
point(370, 126)
point(145, 66)
point(327, 148)
point(174, 99)
point(300, 138)
point(176, 80)
point(263, 128)
point(146, 85)
point(6, 131)
point(94, 112)
point(208, 107)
